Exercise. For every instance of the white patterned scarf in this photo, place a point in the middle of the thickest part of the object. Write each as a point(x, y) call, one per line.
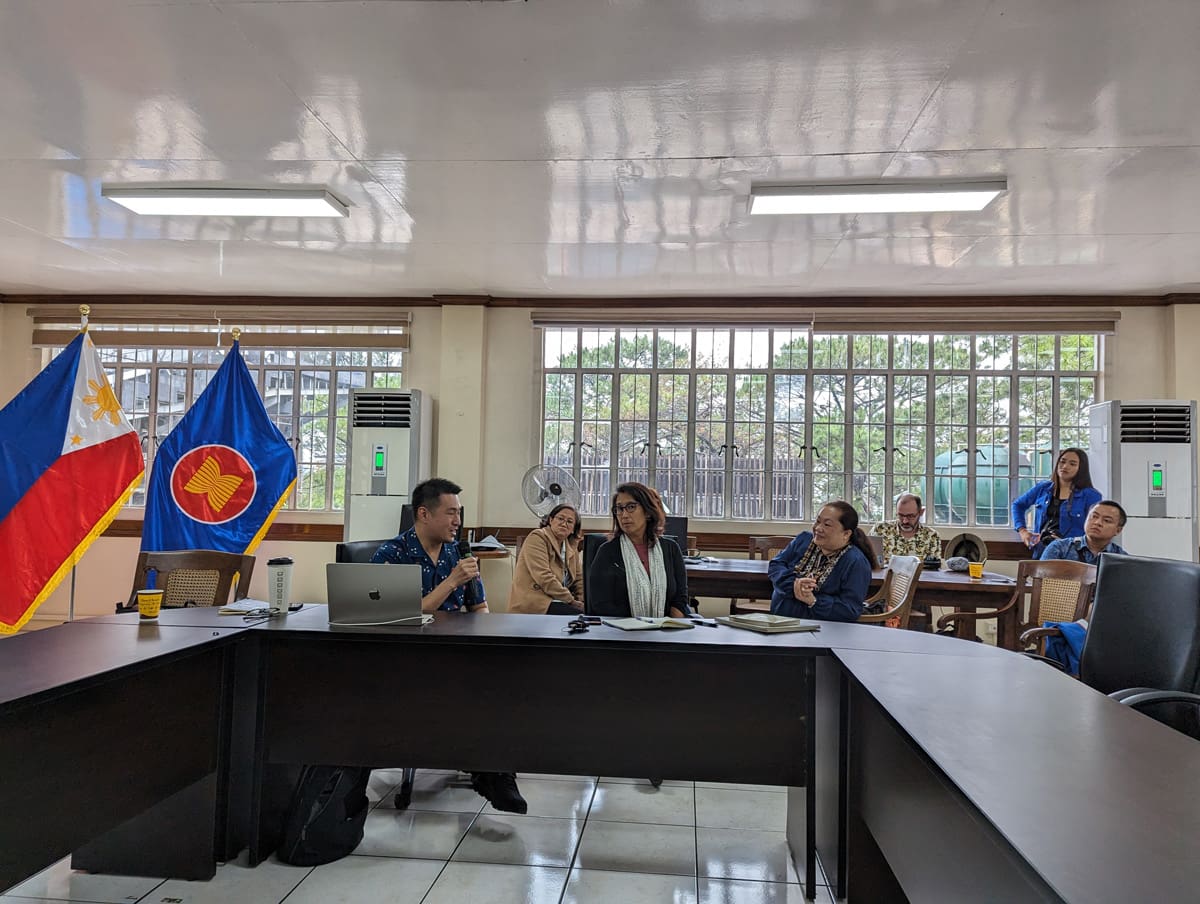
point(647, 592)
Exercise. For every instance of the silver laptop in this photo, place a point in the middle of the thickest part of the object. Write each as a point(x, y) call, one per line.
point(368, 594)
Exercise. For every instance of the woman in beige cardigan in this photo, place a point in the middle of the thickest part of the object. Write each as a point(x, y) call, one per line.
point(548, 577)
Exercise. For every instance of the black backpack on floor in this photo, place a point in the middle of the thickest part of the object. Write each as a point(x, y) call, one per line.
point(326, 816)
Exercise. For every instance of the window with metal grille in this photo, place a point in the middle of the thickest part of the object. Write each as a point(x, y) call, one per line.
point(305, 374)
point(769, 423)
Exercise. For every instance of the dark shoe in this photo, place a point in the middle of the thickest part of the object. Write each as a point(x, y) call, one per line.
point(500, 789)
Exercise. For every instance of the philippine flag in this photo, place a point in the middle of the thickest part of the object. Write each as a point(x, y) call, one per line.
point(223, 473)
point(68, 461)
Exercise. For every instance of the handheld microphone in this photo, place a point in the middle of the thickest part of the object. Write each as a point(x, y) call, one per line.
point(470, 597)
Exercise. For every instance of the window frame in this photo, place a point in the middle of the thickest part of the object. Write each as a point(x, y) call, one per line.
point(158, 344)
point(971, 370)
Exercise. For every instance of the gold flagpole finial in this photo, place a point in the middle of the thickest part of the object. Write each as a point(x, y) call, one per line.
point(84, 310)
point(236, 332)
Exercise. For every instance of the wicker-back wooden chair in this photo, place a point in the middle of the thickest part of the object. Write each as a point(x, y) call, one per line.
point(763, 548)
point(1057, 606)
point(195, 577)
point(1057, 590)
point(897, 593)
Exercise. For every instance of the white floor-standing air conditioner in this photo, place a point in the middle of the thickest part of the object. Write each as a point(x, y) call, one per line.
point(1143, 455)
point(387, 454)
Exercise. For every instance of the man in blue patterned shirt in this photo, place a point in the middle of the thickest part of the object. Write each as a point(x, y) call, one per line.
point(449, 583)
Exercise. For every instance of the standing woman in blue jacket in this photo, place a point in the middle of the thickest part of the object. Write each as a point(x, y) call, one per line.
point(824, 573)
point(1060, 504)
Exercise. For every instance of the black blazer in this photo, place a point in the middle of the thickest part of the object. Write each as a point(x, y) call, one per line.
point(608, 594)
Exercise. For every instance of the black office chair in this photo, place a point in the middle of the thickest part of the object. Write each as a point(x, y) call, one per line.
point(406, 518)
point(677, 529)
point(1143, 639)
point(591, 545)
point(357, 550)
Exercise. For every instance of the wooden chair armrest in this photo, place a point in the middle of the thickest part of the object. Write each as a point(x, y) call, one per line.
point(952, 617)
point(879, 596)
point(1034, 635)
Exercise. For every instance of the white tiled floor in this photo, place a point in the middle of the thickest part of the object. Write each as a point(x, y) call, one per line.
point(584, 841)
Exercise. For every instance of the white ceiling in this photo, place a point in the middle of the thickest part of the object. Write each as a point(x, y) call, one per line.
point(601, 147)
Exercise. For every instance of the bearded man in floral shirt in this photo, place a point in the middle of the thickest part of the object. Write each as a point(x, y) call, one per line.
point(907, 536)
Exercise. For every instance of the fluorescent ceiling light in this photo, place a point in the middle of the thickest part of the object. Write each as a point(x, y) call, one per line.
point(912, 197)
point(168, 201)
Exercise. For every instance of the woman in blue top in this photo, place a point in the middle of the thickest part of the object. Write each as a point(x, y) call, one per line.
point(1060, 505)
point(826, 572)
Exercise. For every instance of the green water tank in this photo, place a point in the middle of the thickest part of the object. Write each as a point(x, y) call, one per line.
point(994, 491)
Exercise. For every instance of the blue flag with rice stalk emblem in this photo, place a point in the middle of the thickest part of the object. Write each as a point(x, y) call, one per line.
point(221, 476)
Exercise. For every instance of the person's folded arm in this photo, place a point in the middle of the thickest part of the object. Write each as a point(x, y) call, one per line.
point(790, 606)
point(782, 572)
point(849, 585)
point(537, 555)
point(782, 568)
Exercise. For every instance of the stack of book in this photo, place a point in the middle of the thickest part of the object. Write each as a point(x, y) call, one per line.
point(766, 623)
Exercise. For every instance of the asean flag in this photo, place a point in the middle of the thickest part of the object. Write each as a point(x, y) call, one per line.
point(221, 476)
point(68, 461)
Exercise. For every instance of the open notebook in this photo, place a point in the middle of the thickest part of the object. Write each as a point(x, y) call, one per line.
point(246, 607)
point(646, 624)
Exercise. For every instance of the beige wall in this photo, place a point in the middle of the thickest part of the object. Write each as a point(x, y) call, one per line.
point(1183, 327)
point(1138, 360)
point(480, 367)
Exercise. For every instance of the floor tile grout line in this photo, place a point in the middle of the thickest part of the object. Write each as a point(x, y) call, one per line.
point(696, 833)
point(578, 844)
point(303, 879)
point(446, 862)
point(143, 897)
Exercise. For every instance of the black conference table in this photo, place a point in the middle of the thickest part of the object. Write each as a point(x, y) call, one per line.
point(855, 720)
point(92, 734)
